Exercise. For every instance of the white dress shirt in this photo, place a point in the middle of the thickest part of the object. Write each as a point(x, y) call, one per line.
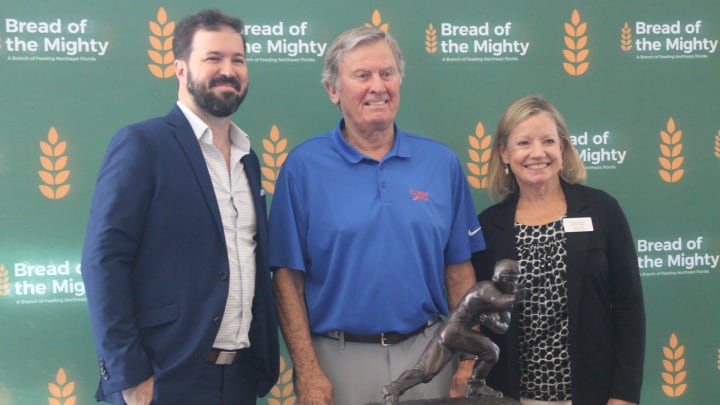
point(237, 212)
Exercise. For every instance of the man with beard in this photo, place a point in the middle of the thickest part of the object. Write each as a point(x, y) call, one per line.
point(174, 260)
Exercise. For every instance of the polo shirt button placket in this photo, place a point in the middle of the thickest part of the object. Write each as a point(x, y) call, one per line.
point(381, 182)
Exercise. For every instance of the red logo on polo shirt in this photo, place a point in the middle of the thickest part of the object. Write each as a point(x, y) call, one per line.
point(419, 195)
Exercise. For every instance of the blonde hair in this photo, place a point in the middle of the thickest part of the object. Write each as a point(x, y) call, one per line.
point(501, 185)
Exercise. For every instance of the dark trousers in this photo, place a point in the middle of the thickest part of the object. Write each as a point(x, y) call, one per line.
point(221, 385)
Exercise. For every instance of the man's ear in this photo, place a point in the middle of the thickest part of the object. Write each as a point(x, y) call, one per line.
point(180, 70)
point(332, 93)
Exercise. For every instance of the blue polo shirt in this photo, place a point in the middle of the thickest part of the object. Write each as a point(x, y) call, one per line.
point(373, 238)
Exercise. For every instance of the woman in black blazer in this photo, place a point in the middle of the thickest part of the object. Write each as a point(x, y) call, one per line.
point(579, 336)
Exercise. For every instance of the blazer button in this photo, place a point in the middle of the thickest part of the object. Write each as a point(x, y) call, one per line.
point(217, 320)
point(103, 371)
point(223, 276)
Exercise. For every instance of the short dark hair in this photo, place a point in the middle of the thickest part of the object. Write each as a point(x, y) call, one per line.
point(209, 20)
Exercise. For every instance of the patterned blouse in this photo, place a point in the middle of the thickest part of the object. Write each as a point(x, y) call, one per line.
point(543, 316)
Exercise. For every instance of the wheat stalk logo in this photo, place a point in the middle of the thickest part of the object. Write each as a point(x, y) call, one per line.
point(673, 364)
point(670, 149)
point(626, 38)
point(282, 392)
point(377, 22)
point(479, 154)
point(61, 391)
point(717, 145)
point(575, 41)
point(431, 39)
point(4, 281)
point(53, 161)
point(274, 157)
point(161, 40)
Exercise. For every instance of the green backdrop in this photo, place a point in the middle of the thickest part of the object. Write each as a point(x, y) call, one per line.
point(638, 83)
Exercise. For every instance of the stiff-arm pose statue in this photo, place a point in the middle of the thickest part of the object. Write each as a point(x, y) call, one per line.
point(486, 304)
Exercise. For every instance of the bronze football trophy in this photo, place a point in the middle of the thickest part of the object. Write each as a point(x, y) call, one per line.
point(487, 304)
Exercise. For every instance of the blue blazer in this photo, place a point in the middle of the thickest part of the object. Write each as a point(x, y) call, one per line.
point(605, 300)
point(155, 264)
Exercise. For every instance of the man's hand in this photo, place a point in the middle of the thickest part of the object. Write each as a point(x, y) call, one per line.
point(613, 401)
point(460, 378)
point(314, 389)
point(140, 394)
point(521, 293)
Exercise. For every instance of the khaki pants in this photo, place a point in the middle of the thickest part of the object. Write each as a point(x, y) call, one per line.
point(358, 371)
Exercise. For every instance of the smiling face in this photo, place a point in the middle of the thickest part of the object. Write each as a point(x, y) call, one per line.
point(214, 80)
point(368, 87)
point(534, 151)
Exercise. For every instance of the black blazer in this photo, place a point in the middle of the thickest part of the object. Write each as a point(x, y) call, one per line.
point(605, 301)
point(154, 263)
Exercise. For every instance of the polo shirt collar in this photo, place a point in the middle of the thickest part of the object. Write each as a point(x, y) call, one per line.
point(348, 152)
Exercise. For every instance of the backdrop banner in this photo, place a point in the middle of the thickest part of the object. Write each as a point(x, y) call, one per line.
point(637, 81)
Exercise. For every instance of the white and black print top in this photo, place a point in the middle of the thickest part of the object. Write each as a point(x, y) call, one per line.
point(543, 316)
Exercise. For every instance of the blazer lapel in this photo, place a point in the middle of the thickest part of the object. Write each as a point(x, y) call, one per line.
point(505, 224)
point(251, 167)
point(189, 144)
point(577, 245)
point(503, 234)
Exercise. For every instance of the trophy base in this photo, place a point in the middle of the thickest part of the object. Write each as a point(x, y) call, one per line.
point(458, 401)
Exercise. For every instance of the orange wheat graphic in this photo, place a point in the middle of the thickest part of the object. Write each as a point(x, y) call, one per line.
point(670, 149)
point(626, 38)
point(479, 154)
point(4, 281)
point(161, 40)
point(431, 39)
point(53, 161)
point(282, 392)
point(273, 158)
point(575, 41)
point(62, 392)
point(673, 364)
point(717, 145)
point(377, 22)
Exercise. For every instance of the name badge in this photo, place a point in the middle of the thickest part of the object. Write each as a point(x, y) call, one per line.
point(583, 224)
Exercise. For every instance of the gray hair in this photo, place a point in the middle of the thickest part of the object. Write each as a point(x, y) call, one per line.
point(350, 39)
